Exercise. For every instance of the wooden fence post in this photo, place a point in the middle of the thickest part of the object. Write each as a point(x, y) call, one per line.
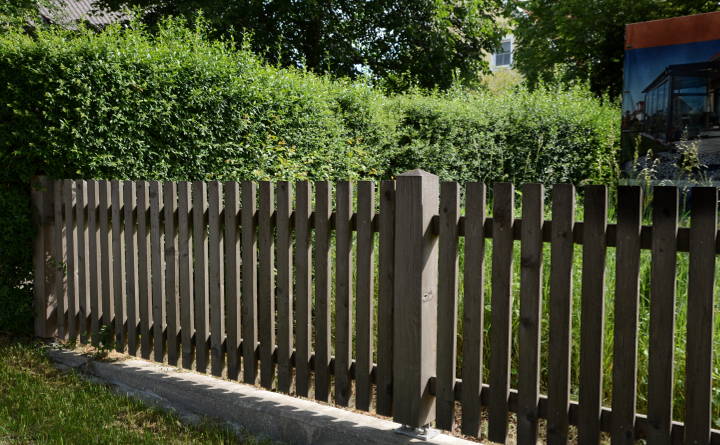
point(43, 263)
point(415, 301)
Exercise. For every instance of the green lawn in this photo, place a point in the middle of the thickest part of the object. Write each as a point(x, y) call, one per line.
point(40, 404)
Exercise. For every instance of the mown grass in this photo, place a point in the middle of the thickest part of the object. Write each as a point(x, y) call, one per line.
point(41, 405)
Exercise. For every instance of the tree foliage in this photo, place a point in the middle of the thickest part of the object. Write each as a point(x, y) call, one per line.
point(584, 39)
point(403, 42)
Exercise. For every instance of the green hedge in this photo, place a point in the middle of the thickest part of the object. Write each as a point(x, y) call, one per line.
point(127, 104)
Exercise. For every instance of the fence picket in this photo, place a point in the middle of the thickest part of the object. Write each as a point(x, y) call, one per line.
point(662, 314)
point(106, 276)
point(215, 282)
point(322, 290)
point(249, 300)
point(343, 292)
point(365, 284)
point(232, 278)
point(303, 287)
point(131, 261)
point(71, 247)
point(118, 267)
point(473, 307)
point(284, 287)
point(172, 307)
point(266, 284)
point(59, 259)
point(627, 294)
point(560, 308)
point(82, 259)
point(531, 270)
point(699, 343)
point(93, 265)
point(592, 315)
point(143, 269)
point(201, 288)
point(386, 280)
point(157, 274)
point(501, 327)
point(185, 274)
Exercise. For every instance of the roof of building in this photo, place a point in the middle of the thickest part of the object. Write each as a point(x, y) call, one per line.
point(70, 12)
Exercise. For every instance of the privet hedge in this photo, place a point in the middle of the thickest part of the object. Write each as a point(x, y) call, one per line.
point(126, 104)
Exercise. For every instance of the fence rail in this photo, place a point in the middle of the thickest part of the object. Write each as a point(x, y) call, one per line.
point(353, 293)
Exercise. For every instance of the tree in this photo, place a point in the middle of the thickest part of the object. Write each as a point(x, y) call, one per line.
point(584, 39)
point(403, 42)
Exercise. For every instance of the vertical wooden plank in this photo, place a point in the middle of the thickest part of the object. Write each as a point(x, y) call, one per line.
point(266, 285)
point(473, 307)
point(185, 274)
point(303, 287)
point(118, 272)
point(365, 283)
point(143, 269)
point(215, 283)
point(71, 246)
point(501, 327)
point(158, 274)
point(284, 287)
point(249, 281)
point(59, 262)
point(415, 330)
point(627, 294)
point(559, 350)
point(93, 265)
point(701, 282)
point(82, 263)
point(447, 304)
point(106, 277)
point(662, 314)
point(131, 261)
point(343, 292)
point(386, 283)
point(232, 278)
point(592, 316)
point(201, 289)
point(531, 270)
point(322, 290)
point(172, 307)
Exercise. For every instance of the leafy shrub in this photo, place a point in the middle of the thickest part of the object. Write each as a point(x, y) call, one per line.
point(174, 105)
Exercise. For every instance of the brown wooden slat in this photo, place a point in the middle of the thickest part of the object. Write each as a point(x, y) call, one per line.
point(144, 291)
point(215, 282)
point(200, 274)
point(158, 274)
point(59, 259)
point(71, 268)
point(473, 308)
point(93, 264)
point(106, 277)
point(343, 293)
point(322, 290)
point(662, 314)
point(560, 307)
point(531, 271)
point(82, 259)
point(303, 287)
point(172, 307)
point(131, 261)
point(249, 281)
point(232, 278)
point(284, 285)
point(266, 285)
point(593, 313)
point(118, 267)
point(185, 274)
point(447, 304)
point(701, 281)
point(365, 285)
point(501, 327)
point(386, 280)
point(627, 294)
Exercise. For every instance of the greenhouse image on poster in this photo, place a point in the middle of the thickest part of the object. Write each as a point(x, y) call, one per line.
point(671, 88)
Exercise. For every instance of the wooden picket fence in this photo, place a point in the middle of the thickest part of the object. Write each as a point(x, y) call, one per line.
point(243, 279)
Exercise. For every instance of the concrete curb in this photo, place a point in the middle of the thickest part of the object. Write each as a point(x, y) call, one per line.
point(263, 413)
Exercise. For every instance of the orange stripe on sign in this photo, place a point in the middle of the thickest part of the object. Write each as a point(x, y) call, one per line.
point(674, 31)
